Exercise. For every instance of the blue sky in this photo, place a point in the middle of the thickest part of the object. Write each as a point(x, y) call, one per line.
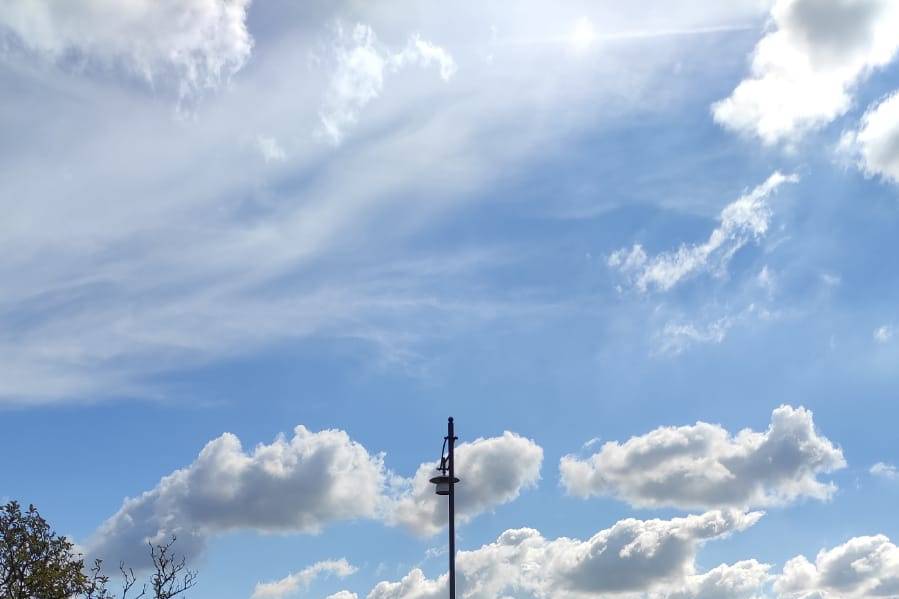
point(652, 243)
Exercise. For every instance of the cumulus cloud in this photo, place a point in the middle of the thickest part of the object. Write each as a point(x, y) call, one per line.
point(740, 222)
point(299, 484)
point(632, 556)
point(703, 466)
point(292, 583)
point(493, 471)
point(304, 483)
point(884, 470)
point(197, 43)
point(414, 585)
point(804, 70)
point(741, 580)
point(875, 144)
point(862, 567)
point(361, 64)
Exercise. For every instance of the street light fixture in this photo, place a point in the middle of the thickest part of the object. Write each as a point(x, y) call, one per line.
point(446, 484)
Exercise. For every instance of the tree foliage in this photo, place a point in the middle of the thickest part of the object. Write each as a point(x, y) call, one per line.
point(36, 563)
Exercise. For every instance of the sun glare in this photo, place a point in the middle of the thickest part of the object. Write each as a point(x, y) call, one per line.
point(583, 35)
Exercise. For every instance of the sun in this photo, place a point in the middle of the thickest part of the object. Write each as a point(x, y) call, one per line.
point(583, 35)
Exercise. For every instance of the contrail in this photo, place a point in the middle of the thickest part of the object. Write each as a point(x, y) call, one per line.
point(631, 35)
point(626, 35)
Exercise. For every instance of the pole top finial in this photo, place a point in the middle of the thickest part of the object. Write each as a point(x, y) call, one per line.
point(450, 418)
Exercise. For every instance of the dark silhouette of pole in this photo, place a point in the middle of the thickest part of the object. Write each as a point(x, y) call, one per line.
point(446, 485)
point(451, 439)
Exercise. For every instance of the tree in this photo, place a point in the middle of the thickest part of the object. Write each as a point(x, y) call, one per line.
point(35, 563)
point(171, 576)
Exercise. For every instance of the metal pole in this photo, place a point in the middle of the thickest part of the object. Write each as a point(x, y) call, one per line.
point(452, 511)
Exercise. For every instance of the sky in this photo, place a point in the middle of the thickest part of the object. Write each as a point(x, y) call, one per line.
point(256, 253)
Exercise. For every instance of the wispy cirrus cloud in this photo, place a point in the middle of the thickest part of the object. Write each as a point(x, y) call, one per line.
point(675, 337)
point(270, 149)
point(166, 244)
point(680, 333)
point(740, 222)
point(361, 64)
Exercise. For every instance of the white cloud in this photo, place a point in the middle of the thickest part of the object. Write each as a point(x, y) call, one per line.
point(741, 221)
point(702, 465)
point(875, 145)
point(591, 442)
point(343, 595)
point(831, 279)
point(679, 334)
point(299, 484)
point(304, 483)
point(198, 43)
point(861, 568)
point(361, 64)
point(297, 581)
point(493, 471)
point(163, 246)
point(632, 556)
point(766, 280)
point(677, 337)
point(424, 53)
point(742, 580)
point(883, 334)
point(805, 69)
point(270, 149)
point(883, 470)
point(415, 585)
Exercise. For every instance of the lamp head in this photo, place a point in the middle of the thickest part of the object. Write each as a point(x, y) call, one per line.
point(443, 483)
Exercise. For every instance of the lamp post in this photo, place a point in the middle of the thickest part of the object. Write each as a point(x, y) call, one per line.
point(446, 484)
